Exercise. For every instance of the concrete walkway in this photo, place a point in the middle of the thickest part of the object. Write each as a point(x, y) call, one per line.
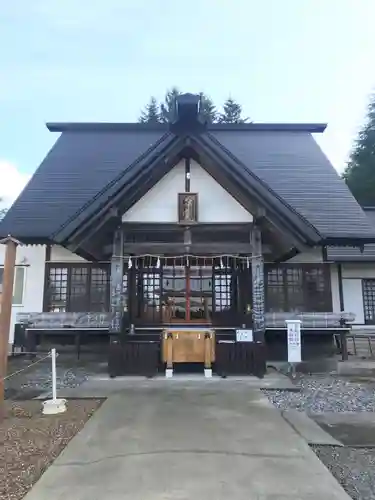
point(176, 442)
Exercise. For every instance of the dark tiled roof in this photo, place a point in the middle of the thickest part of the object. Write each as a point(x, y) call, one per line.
point(76, 169)
point(87, 157)
point(141, 127)
point(295, 167)
point(354, 254)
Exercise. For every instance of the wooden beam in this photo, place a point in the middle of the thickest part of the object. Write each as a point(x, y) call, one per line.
point(257, 272)
point(286, 255)
point(117, 272)
point(140, 227)
point(216, 248)
point(6, 312)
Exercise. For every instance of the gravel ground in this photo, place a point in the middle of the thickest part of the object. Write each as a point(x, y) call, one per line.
point(354, 469)
point(37, 378)
point(326, 394)
point(31, 441)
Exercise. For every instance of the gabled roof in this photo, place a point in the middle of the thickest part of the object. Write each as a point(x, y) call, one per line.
point(347, 254)
point(76, 169)
point(228, 171)
point(90, 162)
point(295, 167)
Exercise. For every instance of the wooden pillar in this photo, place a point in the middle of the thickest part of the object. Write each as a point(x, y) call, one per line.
point(257, 272)
point(169, 356)
point(6, 312)
point(117, 272)
point(207, 355)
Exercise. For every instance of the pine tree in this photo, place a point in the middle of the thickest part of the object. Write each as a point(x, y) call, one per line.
point(168, 107)
point(232, 112)
point(165, 112)
point(360, 170)
point(3, 210)
point(151, 112)
point(208, 110)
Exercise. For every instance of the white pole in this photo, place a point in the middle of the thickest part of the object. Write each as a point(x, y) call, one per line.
point(54, 405)
point(54, 395)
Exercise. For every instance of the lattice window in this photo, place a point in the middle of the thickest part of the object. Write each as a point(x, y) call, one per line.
point(174, 292)
point(223, 291)
point(200, 284)
point(57, 289)
point(275, 290)
point(77, 288)
point(78, 297)
point(99, 287)
point(317, 289)
point(225, 288)
point(298, 288)
point(145, 290)
point(294, 288)
point(368, 287)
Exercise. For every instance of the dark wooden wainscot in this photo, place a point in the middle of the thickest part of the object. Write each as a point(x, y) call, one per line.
point(240, 358)
point(133, 356)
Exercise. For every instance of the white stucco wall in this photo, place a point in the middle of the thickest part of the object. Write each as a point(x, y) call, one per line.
point(215, 204)
point(32, 257)
point(61, 254)
point(352, 275)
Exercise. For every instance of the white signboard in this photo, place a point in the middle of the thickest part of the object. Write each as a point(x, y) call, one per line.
point(294, 340)
point(244, 335)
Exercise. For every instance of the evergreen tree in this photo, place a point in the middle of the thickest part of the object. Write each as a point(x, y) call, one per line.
point(151, 112)
point(360, 171)
point(168, 107)
point(165, 112)
point(232, 112)
point(207, 109)
point(3, 210)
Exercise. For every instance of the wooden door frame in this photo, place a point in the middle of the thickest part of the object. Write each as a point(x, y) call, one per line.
point(188, 319)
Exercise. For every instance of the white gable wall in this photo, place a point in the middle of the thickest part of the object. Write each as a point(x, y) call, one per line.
point(61, 254)
point(215, 204)
point(32, 257)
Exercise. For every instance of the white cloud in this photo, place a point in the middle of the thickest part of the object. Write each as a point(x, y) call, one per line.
point(12, 182)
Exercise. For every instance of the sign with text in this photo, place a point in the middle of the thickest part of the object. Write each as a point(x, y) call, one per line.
point(244, 335)
point(294, 340)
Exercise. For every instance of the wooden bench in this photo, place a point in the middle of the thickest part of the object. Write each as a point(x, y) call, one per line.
point(37, 326)
point(367, 337)
point(336, 324)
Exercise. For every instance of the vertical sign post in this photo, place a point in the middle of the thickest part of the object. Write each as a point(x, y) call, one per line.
point(294, 341)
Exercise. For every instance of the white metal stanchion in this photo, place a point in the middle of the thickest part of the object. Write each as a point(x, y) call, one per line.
point(54, 405)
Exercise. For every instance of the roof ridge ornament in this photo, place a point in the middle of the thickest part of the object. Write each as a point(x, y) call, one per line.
point(187, 114)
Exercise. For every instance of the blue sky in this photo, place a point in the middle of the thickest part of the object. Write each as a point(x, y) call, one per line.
point(100, 60)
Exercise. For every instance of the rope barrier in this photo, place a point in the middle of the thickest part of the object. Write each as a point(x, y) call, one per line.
point(17, 353)
point(26, 367)
point(189, 255)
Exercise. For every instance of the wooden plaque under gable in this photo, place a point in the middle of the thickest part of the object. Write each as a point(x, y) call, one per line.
point(187, 208)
